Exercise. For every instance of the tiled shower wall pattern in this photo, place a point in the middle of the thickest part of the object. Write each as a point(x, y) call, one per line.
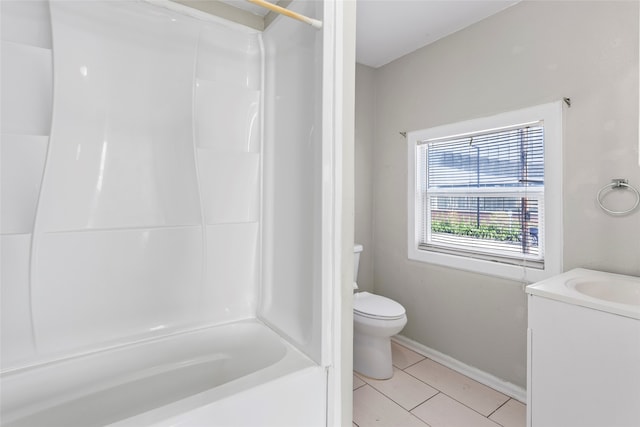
point(147, 218)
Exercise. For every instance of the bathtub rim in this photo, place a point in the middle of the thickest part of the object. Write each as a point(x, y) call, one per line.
point(121, 343)
point(293, 360)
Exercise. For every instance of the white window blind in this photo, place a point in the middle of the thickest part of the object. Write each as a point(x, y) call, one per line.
point(482, 194)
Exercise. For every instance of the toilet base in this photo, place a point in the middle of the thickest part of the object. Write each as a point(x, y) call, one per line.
point(372, 356)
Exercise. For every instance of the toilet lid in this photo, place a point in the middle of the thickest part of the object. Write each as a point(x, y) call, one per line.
point(376, 306)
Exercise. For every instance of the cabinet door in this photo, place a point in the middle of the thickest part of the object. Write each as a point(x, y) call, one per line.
point(584, 366)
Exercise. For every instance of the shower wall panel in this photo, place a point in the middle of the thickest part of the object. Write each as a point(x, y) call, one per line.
point(232, 258)
point(147, 220)
point(118, 243)
point(26, 78)
point(23, 158)
point(25, 119)
point(122, 138)
point(26, 22)
point(292, 280)
point(98, 286)
point(15, 324)
point(228, 139)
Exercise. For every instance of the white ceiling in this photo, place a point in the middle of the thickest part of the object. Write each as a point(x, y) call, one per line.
point(389, 29)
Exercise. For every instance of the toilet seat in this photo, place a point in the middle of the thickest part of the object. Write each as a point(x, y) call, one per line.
point(377, 307)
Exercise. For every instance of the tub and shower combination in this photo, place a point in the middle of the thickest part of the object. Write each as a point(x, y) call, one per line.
point(162, 217)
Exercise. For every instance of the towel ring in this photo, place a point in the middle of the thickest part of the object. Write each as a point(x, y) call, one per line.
point(618, 183)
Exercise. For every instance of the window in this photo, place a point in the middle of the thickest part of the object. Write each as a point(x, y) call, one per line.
point(486, 195)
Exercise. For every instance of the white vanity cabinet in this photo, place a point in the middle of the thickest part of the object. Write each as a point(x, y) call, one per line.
point(583, 362)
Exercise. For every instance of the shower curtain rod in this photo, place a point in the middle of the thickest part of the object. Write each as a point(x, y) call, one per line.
point(283, 11)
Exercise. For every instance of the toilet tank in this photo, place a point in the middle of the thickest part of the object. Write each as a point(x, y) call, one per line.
point(357, 249)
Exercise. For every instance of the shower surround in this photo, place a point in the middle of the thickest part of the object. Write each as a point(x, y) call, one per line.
point(161, 186)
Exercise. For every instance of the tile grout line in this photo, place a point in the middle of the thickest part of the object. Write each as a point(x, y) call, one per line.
point(399, 405)
point(497, 409)
point(414, 363)
point(438, 391)
point(453, 398)
point(425, 357)
point(426, 400)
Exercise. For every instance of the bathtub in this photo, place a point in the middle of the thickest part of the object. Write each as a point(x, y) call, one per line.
point(234, 374)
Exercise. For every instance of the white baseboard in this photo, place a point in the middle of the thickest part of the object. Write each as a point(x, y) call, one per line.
point(482, 377)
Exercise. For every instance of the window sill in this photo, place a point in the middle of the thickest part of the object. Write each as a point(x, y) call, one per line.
point(489, 268)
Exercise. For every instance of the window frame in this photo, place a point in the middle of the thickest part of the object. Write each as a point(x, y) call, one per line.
point(551, 116)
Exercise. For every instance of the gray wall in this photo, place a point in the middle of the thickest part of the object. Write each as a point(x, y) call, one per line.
point(532, 53)
point(364, 137)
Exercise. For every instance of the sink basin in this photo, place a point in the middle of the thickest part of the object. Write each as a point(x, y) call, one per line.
point(616, 290)
point(609, 292)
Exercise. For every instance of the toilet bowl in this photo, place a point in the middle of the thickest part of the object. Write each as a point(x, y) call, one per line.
point(375, 320)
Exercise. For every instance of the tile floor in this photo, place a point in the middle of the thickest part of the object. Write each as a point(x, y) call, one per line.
point(425, 393)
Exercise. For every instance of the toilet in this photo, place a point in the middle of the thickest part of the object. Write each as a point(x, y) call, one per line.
point(375, 320)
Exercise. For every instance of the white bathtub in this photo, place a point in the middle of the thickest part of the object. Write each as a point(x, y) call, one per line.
point(225, 375)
